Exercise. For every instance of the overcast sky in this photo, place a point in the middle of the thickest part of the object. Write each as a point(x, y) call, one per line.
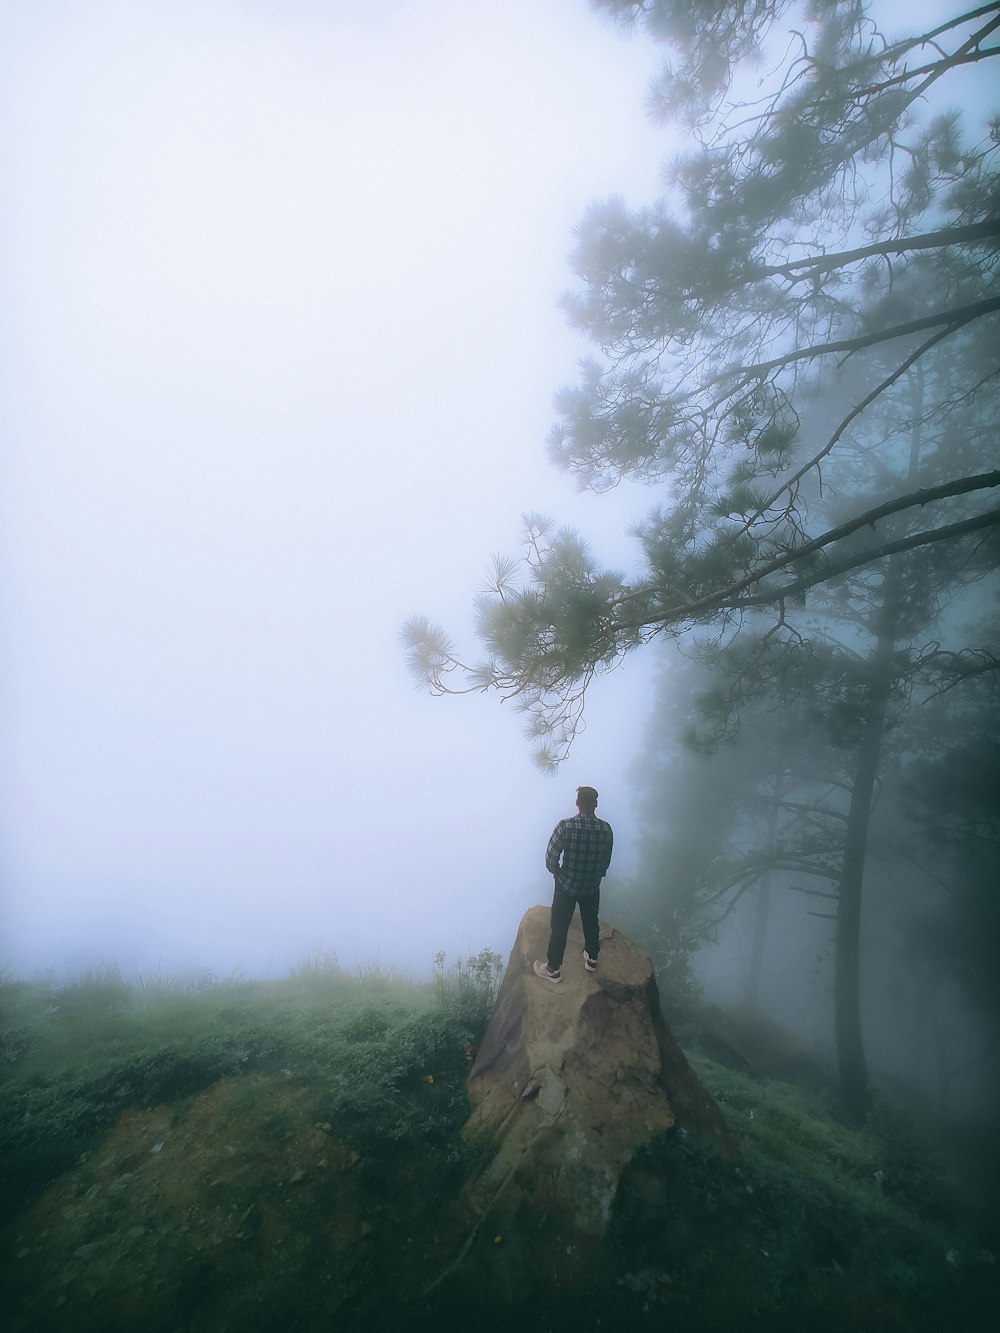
point(279, 345)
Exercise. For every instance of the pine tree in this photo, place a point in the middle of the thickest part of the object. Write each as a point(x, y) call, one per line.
point(818, 248)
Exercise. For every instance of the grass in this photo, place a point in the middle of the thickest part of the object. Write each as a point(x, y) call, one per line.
point(821, 1226)
point(92, 1023)
point(75, 1056)
point(311, 1145)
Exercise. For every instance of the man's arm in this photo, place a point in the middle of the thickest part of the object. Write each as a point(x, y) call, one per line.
point(554, 850)
point(609, 843)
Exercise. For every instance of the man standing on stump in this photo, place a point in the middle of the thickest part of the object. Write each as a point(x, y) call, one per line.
point(578, 856)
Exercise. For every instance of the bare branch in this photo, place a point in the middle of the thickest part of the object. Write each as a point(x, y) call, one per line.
point(800, 807)
point(856, 411)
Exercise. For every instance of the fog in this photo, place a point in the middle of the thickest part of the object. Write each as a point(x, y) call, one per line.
point(280, 337)
point(297, 303)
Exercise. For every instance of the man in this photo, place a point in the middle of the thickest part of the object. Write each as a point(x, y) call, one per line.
point(578, 855)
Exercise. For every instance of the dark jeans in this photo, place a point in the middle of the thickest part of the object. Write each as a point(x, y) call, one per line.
point(563, 906)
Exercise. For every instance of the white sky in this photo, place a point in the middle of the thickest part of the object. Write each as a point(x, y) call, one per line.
point(278, 347)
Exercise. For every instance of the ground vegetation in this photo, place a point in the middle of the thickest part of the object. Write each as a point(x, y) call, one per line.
point(284, 1155)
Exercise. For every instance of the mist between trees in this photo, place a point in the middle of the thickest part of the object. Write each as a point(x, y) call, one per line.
point(795, 346)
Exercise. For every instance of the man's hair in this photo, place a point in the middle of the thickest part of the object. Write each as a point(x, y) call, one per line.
point(587, 796)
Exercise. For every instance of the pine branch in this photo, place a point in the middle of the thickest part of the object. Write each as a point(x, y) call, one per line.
point(814, 264)
point(984, 664)
point(927, 538)
point(952, 63)
point(787, 486)
point(936, 67)
point(729, 597)
point(954, 319)
point(939, 70)
point(969, 17)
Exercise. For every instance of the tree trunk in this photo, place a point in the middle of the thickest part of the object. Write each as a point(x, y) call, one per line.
point(851, 1064)
point(751, 989)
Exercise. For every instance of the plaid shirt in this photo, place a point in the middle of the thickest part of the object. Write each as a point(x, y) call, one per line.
point(584, 843)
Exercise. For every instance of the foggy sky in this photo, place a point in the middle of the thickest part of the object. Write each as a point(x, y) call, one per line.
point(279, 345)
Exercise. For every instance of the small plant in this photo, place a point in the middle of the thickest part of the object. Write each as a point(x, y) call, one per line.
point(470, 986)
point(101, 992)
point(321, 965)
point(370, 1024)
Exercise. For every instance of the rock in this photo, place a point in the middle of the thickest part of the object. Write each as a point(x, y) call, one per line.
point(570, 1082)
point(566, 1079)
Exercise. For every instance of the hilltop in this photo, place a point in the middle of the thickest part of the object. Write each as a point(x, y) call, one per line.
point(286, 1155)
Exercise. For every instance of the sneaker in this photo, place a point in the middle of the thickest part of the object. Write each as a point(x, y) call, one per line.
point(542, 970)
point(589, 963)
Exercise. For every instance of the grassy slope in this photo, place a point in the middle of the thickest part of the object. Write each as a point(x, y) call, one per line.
point(271, 1155)
point(821, 1226)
